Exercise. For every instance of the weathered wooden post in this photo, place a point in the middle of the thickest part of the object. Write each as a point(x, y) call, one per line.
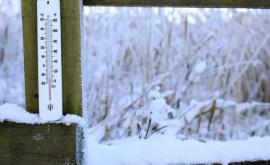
point(48, 143)
point(71, 55)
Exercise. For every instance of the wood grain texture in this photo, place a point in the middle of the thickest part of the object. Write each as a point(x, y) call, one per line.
point(71, 55)
point(37, 144)
point(258, 162)
point(183, 3)
point(29, 22)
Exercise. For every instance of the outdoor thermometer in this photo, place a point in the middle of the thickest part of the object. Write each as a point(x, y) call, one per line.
point(49, 59)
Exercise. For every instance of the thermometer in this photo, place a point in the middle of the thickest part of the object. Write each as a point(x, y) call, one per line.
point(49, 59)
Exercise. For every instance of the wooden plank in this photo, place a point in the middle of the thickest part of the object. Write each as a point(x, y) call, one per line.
point(71, 55)
point(37, 144)
point(259, 162)
point(183, 3)
point(29, 22)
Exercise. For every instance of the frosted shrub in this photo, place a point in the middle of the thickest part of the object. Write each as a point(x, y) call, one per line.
point(157, 109)
point(207, 54)
point(221, 53)
point(224, 120)
point(154, 112)
point(11, 59)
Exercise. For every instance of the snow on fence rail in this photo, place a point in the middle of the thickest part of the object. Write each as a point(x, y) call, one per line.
point(162, 150)
point(8, 111)
point(167, 149)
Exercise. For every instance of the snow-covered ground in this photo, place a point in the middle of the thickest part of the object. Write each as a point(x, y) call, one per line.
point(186, 79)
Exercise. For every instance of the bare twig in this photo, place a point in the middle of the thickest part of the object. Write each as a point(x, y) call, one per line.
point(157, 130)
point(148, 128)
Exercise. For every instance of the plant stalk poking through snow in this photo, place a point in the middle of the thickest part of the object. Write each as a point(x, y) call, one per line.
point(147, 134)
point(149, 124)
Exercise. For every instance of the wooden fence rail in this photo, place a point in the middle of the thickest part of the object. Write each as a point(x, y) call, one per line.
point(39, 144)
point(183, 3)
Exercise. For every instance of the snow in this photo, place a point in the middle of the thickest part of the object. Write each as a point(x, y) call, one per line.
point(161, 150)
point(14, 113)
point(157, 109)
point(158, 149)
point(168, 60)
point(200, 67)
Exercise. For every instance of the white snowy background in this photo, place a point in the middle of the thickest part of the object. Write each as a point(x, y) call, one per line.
point(202, 76)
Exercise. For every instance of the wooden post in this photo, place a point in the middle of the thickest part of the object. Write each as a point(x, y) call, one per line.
point(29, 22)
point(71, 55)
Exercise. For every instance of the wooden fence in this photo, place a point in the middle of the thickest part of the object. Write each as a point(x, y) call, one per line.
point(54, 143)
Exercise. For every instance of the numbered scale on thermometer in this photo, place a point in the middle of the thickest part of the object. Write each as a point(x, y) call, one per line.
point(49, 59)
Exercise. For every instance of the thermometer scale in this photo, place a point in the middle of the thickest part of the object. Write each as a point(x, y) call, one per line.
point(49, 59)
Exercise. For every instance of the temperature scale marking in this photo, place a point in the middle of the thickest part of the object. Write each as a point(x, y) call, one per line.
point(49, 59)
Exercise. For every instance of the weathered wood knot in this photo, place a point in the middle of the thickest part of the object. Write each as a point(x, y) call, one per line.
point(38, 137)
